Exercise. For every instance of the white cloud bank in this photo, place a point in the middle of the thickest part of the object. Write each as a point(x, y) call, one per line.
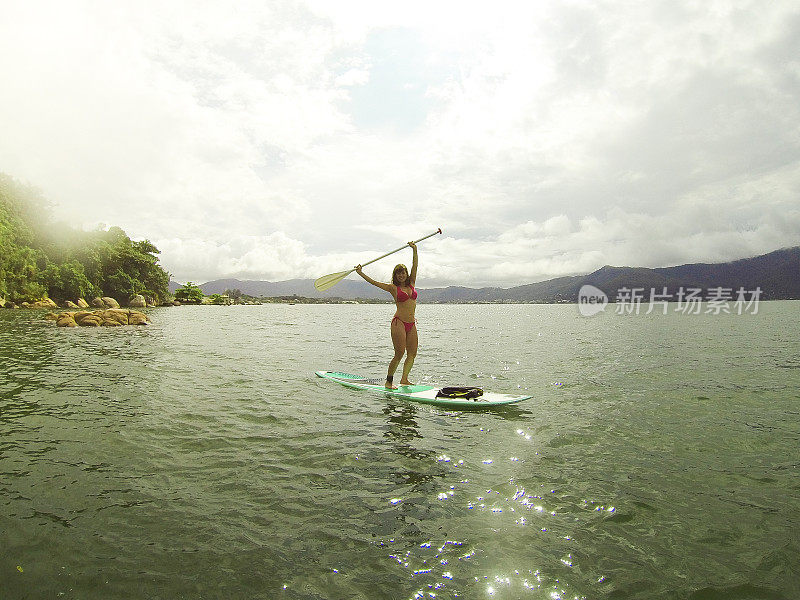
point(290, 139)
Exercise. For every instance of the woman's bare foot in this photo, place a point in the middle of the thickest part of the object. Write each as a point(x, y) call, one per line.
point(406, 383)
point(389, 386)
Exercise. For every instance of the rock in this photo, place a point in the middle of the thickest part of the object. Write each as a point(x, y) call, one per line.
point(25, 305)
point(137, 318)
point(51, 317)
point(82, 303)
point(98, 303)
point(119, 316)
point(66, 320)
point(110, 317)
point(176, 303)
point(137, 301)
point(92, 320)
point(110, 302)
point(69, 304)
point(81, 315)
point(43, 303)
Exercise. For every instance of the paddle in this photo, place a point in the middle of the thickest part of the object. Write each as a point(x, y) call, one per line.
point(328, 281)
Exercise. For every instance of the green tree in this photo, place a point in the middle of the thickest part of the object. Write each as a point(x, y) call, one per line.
point(120, 284)
point(189, 293)
point(67, 281)
point(19, 267)
point(20, 274)
point(38, 257)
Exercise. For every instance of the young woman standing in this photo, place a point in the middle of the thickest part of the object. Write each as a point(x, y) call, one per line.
point(403, 327)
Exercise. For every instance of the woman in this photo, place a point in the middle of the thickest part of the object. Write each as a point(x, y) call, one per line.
point(404, 329)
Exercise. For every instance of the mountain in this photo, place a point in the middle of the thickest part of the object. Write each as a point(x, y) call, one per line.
point(776, 273)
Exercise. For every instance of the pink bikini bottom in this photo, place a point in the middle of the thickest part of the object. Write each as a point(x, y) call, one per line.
point(408, 326)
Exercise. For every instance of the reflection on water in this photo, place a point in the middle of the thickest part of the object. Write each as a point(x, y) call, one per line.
point(200, 457)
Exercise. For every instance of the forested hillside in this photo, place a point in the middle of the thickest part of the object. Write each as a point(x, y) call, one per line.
point(41, 258)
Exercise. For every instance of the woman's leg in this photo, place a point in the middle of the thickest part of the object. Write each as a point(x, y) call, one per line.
point(412, 341)
point(399, 343)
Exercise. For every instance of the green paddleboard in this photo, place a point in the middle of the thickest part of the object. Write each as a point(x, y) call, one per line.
point(425, 394)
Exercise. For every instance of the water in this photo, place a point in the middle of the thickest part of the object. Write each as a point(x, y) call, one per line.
point(201, 458)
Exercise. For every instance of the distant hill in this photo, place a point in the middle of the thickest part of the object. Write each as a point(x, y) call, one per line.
point(776, 273)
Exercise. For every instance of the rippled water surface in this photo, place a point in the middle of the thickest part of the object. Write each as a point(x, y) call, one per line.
point(201, 458)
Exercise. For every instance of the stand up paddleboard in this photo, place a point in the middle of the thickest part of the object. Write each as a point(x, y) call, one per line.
point(425, 394)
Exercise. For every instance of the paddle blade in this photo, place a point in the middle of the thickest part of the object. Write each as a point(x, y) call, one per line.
point(328, 281)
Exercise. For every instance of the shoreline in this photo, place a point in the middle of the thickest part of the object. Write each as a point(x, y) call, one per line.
point(317, 301)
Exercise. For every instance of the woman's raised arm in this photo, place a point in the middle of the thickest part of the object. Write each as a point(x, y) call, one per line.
point(413, 276)
point(380, 284)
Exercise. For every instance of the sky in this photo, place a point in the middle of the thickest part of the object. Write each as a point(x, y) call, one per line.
point(286, 139)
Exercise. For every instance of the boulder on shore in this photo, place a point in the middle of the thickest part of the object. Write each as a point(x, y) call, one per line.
point(137, 301)
point(69, 304)
point(44, 303)
point(112, 317)
point(82, 303)
point(105, 302)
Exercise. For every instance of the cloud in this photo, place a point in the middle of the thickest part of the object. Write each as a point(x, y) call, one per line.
point(157, 113)
point(244, 257)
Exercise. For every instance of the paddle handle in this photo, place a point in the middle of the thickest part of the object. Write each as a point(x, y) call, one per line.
point(400, 248)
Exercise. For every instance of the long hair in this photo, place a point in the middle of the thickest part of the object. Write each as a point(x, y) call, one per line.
point(394, 274)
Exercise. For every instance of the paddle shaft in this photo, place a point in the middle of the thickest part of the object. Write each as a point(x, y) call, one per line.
point(328, 281)
point(400, 248)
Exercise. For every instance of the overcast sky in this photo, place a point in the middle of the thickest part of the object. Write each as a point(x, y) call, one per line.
point(289, 139)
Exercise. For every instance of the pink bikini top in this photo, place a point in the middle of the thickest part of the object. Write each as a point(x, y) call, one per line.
point(402, 296)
